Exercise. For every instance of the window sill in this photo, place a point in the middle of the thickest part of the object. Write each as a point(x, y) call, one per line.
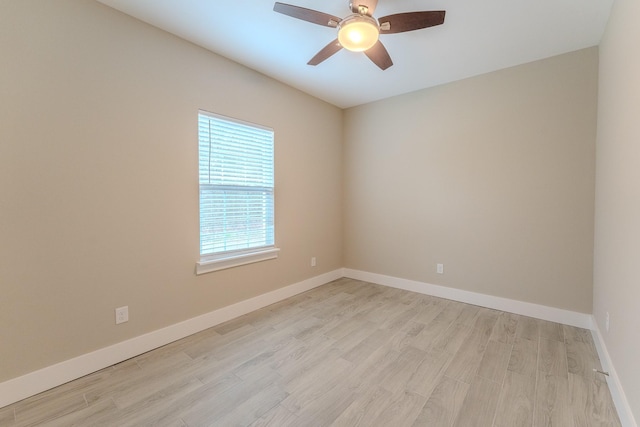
point(235, 260)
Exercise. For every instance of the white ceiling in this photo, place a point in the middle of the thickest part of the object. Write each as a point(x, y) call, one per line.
point(477, 37)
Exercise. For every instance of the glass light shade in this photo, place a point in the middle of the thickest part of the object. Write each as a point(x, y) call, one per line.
point(358, 32)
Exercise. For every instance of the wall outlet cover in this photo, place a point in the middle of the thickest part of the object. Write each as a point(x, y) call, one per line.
point(122, 314)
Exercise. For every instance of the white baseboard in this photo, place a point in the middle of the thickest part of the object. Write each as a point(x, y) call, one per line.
point(553, 314)
point(613, 381)
point(16, 389)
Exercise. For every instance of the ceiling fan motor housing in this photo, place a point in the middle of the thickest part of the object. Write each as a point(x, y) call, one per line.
point(363, 7)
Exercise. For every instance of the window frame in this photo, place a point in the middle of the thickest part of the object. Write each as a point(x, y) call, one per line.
point(233, 258)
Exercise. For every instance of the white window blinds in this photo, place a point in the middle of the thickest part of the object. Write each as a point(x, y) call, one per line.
point(236, 185)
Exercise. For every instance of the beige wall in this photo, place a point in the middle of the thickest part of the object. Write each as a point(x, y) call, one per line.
point(98, 180)
point(617, 232)
point(492, 176)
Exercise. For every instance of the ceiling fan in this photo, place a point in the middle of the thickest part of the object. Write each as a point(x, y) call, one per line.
point(359, 31)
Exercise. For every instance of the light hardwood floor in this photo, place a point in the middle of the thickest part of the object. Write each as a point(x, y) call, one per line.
point(348, 353)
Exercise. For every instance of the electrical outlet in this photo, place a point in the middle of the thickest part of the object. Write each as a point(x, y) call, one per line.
point(440, 268)
point(122, 314)
point(313, 261)
point(606, 321)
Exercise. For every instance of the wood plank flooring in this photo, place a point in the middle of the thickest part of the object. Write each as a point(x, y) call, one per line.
point(348, 353)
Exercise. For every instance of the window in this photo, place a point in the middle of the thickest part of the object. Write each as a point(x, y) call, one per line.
point(236, 193)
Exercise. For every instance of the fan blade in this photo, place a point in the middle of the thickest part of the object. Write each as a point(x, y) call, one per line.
point(308, 15)
point(325, 52)
point(369, 4)
point(409, 21)
point(379, 55)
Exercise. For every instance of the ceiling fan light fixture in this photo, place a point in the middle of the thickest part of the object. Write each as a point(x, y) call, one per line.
point(358, 33)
